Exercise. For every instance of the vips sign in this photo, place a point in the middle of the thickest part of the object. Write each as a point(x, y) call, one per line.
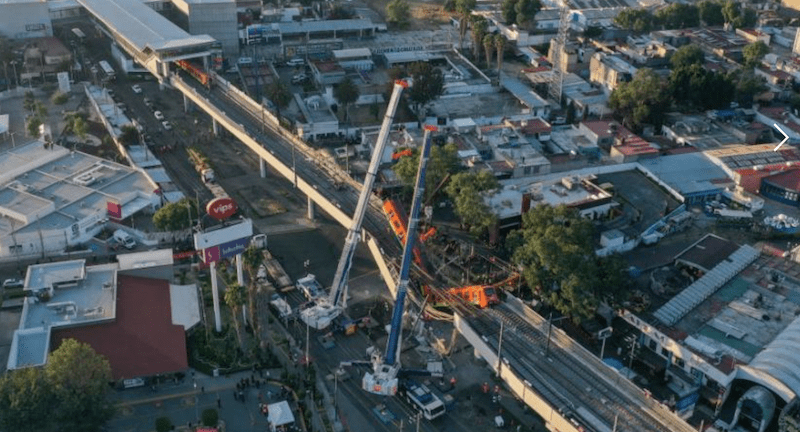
point(225, 250)
point(221, 208)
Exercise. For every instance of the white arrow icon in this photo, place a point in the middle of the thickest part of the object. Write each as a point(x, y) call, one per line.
point(786, 137)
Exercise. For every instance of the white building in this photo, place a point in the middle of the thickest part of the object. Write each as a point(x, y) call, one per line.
point(54, 198)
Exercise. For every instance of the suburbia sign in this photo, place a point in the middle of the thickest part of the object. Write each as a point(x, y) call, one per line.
point(221, 208)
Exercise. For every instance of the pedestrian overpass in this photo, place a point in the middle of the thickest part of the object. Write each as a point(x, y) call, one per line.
point(152, 40)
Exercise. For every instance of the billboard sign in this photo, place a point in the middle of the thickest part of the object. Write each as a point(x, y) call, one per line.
point(223, 234)
point(225, 250)
point(221, 208)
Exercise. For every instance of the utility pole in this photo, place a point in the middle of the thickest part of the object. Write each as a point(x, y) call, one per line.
point(630, 362)
point(499, 349)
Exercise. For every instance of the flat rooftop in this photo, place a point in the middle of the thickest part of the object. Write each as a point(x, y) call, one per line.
point(707, 253)
point(62, 294)
point(141, 26)
point(688, 173)
point(53, 189)
point(507, 201)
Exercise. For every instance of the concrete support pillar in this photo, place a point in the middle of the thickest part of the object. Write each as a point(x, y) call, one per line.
point(263, 165)
point(215, 296)
point(310, 214)
point(187, 104)
point(215, 126)
point(240, 281)
point(240, 269)
point(205, 63)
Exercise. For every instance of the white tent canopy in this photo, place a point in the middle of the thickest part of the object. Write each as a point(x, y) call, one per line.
point(280, 414)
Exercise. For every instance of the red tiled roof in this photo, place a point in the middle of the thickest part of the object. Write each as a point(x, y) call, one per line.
point(533, 126)
point(789, 180)
point(142, 341)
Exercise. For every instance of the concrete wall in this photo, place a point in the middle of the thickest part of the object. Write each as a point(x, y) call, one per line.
point(214, 18)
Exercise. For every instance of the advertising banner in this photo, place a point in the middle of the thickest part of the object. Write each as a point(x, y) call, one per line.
point(114, 210)
point(225, 250)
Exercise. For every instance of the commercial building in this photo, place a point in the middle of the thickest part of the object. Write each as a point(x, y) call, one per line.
point(730, 336)
point(748, 165)
point(608, 71)
point(216, 18)
point(783, 187)
point(103, 306)
point(53, 198)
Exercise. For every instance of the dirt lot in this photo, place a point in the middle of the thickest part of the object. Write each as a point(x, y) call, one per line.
point(425, 15)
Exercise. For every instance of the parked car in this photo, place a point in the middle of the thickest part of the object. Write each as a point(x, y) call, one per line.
point(167, 125)
point(159, 115)
point(299, 78)
point(13, 283)
point(136, 88)
point(124, 239)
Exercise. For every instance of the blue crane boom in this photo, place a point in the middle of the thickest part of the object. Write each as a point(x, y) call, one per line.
point(383, 380)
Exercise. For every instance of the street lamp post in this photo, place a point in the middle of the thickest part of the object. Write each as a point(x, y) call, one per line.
point(550, 322)
point(500, 348)
point(16, 77)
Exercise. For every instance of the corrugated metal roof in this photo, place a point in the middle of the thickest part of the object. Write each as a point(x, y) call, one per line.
point(707, 285)
point(780, 360)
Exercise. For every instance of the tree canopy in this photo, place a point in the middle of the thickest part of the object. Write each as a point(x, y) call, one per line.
point(697, 87)
point(527, 10)
point(443, 161)
point(710, 12)
point(346, 93)
point(69, 393)
point(279, 94)
point(641, 101)
point(687, 55)
point(428, 83)
point(175, 216)
point(128, 134)
point(398, 12)
point(554, 248)
point(754, 52)
point(737, 16)
point(748, 85)
point(464, 9)
point(479, 27)
point(678, 16)
point(465, 190)
point(637, 20)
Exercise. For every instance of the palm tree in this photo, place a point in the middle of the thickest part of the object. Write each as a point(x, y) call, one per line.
point(499, 44)
point(479, 27)
point(234, 298)
point(464, 9)
point(488, 46)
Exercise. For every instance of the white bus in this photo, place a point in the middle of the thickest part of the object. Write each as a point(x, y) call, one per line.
point(110, 75)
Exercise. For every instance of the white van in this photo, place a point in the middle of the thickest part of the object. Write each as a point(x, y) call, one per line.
point(124, 239)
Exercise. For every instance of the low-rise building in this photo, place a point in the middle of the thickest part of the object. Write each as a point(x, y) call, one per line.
point(327, 72)
point(53, 198)
point(783, 187)
point(103, 306)
point(608, 71)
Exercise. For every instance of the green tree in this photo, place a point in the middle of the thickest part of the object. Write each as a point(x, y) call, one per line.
point(593, 32)
point(346, 93)
point(428, 83)
point(464, 9)
point(398, 12)
point(554, 248)
point(175, 216)
point(235, 298)
point(465, 191)
point(253, 257)
point(128, 134)
point(753, 53)
point(443, 161)
point(611, 281)
point(80, 127)
point(25, 401)
point(488, 48)
point(79, 380)
point(509, 10)
point(163, 424)
point(687, 55)
point(500, 46)
point(210, 417)
point(279, 94)
point(710, 12)
point(694, 86)
point(637, 20)
point(678, 16)
point(479, 27)
point(33, 126)
point(737, 16)
point(643, 100)
point(748, 85)
point(527, 10)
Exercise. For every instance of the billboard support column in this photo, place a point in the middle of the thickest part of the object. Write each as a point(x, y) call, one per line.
point(215, 296)
point(239, 270)
point(263, 165)
point(310, 209)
